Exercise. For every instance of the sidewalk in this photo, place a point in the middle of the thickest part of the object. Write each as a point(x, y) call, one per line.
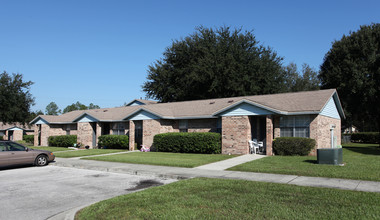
point(212, 171)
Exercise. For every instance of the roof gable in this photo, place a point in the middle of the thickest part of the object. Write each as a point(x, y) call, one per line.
point(140, 102)
point(333, 108)
point(135, 102)
point(39, 121)
point(243, 108)
point(85, 117)
point(142, 114)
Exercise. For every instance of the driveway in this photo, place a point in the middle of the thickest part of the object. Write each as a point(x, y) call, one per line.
point(42, 192)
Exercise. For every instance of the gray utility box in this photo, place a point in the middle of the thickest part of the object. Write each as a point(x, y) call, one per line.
point(332, 156)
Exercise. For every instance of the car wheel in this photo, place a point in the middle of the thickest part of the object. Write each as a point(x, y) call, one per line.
point(41, 160)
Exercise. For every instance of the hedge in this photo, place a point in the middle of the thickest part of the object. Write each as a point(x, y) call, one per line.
point(199, 143)
point(291, 146)
point(28, 138)
point(62, 140)
point(114, 141)
point(365, 137)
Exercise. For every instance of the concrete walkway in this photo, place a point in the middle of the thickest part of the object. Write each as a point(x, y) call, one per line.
point(213, 172)
point(225, 164)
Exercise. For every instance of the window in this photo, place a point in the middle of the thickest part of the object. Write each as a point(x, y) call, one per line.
point(3, 147)
point(118, 129)
point(219, 125)
point(15, 147)
point(182, 125)
point(295, 126)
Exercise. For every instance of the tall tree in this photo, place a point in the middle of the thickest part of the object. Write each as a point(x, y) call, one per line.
point(52, 109)
point(75, 106)
point(214, 63)
point(34, 114)
point(79, 106)
point(296, 81)
point(93, 106)
point(15, 98)
point(353, 67)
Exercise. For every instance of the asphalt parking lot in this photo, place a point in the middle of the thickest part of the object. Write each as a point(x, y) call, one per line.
point(43, 192)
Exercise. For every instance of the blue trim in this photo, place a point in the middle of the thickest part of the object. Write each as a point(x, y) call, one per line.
point(142, 115)
point(330, 109)
point(86, 118)
point(41, 121)
point(135, 102)
point(245, 109)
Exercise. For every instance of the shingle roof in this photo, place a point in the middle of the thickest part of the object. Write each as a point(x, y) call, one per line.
point(5, 126)
point(283, 103)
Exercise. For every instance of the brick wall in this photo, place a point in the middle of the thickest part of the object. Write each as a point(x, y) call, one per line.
point(56, 130)
point(202, 125)
point(150, 128)
point(168, 126)
point(320, 131)
point(16, 135)
point(269, 135)
point(85, 133)
point(44, 132)
point(236, 131)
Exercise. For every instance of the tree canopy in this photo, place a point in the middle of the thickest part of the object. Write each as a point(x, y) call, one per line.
point(295, 81)
point(52, 109)
point(79, 106)
point(353, 67)
point(15, 98)
point(214, 63)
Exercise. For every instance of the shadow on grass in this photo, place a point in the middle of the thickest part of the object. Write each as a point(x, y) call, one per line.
point(364, 150)
point(311, 161)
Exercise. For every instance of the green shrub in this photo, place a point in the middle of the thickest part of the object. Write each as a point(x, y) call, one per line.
point(62, 140)
point(200, 143)
point(110, 141)
point(365, 137)
point(28, 138)
point(291, 146)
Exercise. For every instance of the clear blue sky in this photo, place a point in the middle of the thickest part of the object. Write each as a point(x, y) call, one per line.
point(99, 50)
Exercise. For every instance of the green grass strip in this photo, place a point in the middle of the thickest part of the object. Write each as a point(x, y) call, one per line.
point(203, 198)
point(164, 159)
point(52, 149)
point(82, 153)
point(362, 162)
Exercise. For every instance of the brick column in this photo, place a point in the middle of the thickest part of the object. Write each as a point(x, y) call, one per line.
point(236, 131)
point(35, 128)
point(150, 128)
point(17, 135)
point(44, 134)
point(99, 128)
point(269, 134)
point(85, 133)
point(131, 135)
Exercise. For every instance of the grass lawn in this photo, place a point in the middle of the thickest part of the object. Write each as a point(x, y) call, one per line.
point(164, 159)
point(362, 161)
point(203, 198)
point(52, 149)
point(81, 153)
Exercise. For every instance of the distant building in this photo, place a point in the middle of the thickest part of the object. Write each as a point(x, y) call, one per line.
point(350, 130)
point(311, 114)
point(15, 131)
